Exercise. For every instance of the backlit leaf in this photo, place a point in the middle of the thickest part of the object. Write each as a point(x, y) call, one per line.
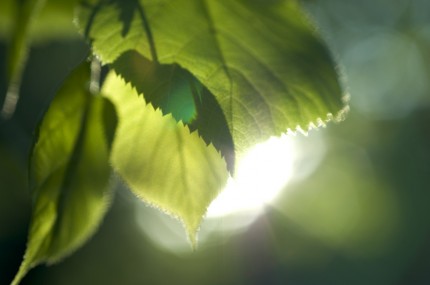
point(168, 87)
point(69, 172)
point(162, 162)
point(174, 90)
point(262, 60)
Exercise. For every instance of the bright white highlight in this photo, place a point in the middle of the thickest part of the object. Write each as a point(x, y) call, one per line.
point(261, 175)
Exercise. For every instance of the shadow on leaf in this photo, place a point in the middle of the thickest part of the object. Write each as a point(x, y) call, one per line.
point(176, 91)
point(127, 9)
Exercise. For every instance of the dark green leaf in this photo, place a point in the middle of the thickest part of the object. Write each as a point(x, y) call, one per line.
point(212, 125)
point(6, 16)
point(69, 172)
point(18, 49)
point(22, 22)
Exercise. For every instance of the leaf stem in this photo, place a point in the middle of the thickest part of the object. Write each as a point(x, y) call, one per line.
point(27, 11)
point(95, 76)
point(10, 101)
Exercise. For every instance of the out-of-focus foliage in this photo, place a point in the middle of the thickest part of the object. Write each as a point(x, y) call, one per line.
point(384, 50)
point(24, 18)
point(69, 172)
point(55, 20)
point(23, 22)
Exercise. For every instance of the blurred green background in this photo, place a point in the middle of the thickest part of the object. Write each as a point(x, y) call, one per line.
point(362, 216)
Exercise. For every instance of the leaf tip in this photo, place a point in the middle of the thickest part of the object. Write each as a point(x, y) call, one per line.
point(22, 271)
point(192, 237)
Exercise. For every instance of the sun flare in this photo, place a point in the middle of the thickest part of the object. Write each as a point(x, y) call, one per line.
point(261, 175)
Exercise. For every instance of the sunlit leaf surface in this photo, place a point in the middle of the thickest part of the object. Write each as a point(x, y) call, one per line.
point(260, 59)
point(168, 87)
point(174, 90)
point(162, 162)
point(69, 172)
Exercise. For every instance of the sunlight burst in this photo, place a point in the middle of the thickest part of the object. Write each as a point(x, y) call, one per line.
point(261, 175)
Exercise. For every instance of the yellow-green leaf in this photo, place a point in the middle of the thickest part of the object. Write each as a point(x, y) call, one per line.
point(174, 90)
point(69, 172)
point(162, 162)
point(168, 87)
point(262, 60)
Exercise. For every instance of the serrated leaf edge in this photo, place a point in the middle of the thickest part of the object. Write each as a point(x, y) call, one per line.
point(191, 235)
point(322, 122)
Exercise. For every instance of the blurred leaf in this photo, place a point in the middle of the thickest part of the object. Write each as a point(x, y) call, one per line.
point(174, 90)
point(261, 60)
point(161, 160)
point(69, 172)
point(345, 204)
point(55, 20)
point(25, 15)
point(23, 22)
point(6, 16)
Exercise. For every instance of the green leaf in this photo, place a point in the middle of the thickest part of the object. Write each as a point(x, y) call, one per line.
point(174, 90)
point(22, 22)
point(162, 162)
point(18, 50)
point(168, 87)
point(213, 127)
point(69, 172)
point(261, 60)
point(6, 8)
point(55, 20)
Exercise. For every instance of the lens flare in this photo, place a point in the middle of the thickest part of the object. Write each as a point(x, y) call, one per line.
point(261, 174)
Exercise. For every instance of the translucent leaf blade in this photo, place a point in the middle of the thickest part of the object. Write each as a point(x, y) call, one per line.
point(166, 87)
point(69, 172)
point(175, 91)
point(162, 162)
point(263, 61)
